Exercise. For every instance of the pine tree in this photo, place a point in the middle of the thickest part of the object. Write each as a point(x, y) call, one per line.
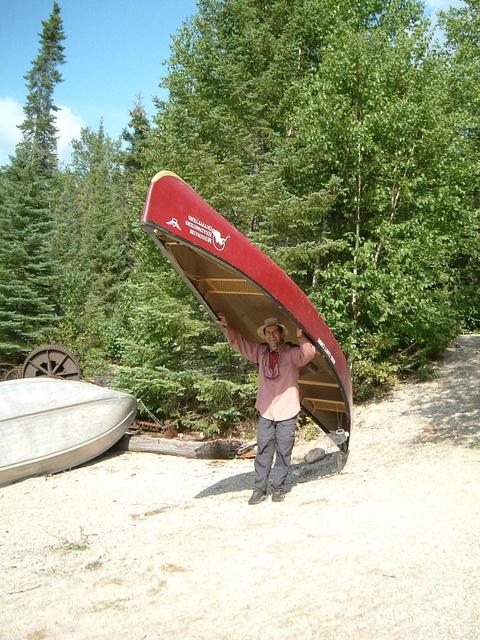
point(27, 266)
point(39, 131)
point(136, 136)
point(91, 245)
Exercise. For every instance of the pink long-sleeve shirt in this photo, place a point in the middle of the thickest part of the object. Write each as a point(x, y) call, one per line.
point(278, 398)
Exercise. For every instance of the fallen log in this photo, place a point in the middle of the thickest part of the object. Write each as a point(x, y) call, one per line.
point(212, 449)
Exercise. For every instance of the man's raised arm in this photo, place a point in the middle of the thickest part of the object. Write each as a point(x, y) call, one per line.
point(249, 350)
point(305, 353)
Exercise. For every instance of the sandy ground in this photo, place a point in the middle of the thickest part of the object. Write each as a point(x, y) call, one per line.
point(136, 545)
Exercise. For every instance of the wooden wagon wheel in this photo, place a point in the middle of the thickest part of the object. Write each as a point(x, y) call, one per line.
point(51, 360)
point(8, 371)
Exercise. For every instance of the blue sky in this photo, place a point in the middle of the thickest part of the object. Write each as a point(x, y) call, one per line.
point(114, 52)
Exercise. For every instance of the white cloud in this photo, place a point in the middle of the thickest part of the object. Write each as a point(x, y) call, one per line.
point(69, 126)
point(11, 115)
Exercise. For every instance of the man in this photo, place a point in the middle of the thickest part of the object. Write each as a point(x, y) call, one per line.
point(278, 400)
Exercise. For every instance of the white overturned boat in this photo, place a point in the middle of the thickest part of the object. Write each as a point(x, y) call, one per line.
point(48, 425)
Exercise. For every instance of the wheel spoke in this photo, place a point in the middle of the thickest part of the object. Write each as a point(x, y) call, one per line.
point(49, 362)
point(53, 361)
point(60, 364)
point(38, 368)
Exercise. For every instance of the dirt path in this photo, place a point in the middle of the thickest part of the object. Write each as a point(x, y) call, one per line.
point(138, 546)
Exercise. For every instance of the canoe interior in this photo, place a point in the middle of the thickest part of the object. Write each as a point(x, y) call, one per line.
point(221, 288)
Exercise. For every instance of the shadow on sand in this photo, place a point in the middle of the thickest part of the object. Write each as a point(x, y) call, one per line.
point(299, 472)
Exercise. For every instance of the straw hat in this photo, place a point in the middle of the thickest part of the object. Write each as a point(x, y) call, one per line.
point(267, 323)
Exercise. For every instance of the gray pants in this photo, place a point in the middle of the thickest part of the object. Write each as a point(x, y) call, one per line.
point(273, 437)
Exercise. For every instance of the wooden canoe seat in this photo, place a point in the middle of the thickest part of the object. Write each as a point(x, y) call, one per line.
point(318, 383)
point(227, 286)
point(326, 405)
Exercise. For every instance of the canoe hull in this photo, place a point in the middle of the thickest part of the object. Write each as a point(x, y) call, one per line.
point(229, 274)
point(49, 425)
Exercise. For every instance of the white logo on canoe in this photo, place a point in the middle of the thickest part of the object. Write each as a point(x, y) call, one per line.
point(219, 242)
point(206, 233)
point(174, 223)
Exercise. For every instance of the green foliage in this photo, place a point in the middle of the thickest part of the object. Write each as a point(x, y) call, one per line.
point(27, 264)
point(189, 399)
point(92, 245)
point(339, 136)
point(326, 132)
point(39, 144)
point(27, 275)
point(136, 137)
point(462, 27)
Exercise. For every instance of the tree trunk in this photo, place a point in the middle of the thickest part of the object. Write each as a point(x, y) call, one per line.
point(214, 449)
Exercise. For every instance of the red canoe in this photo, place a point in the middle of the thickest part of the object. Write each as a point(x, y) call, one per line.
point(231, 275)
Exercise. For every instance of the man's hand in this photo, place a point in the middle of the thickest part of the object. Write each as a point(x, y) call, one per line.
point(299, 332)
point(222, 320)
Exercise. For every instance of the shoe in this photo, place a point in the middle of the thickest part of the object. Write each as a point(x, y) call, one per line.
point(278, 495)
point(256, 497)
